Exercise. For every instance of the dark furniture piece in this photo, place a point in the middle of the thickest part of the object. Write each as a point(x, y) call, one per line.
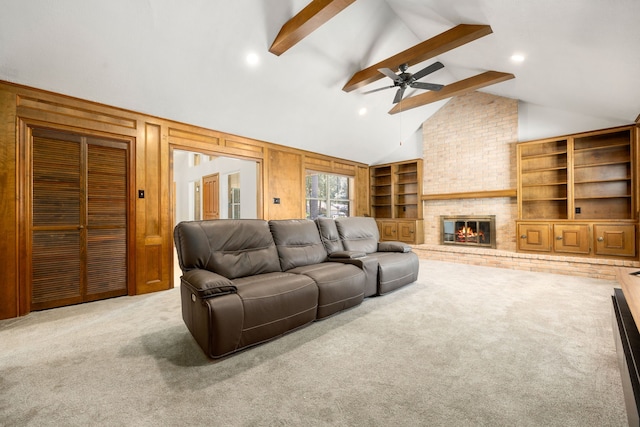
point(248, 281)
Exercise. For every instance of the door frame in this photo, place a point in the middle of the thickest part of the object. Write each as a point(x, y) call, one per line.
point(24, 217)
point(183, 146)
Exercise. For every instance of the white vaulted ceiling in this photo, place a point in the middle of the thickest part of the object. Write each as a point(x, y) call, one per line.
point(186, 61)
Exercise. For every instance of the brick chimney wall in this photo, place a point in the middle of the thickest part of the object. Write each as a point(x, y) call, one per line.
point(469, 145)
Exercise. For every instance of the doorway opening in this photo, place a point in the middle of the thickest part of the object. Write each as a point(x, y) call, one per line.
point(208, 186)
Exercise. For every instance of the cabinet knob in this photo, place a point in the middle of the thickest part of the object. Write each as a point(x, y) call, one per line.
point(558, 237)
point(600, 239)
point(524, 236)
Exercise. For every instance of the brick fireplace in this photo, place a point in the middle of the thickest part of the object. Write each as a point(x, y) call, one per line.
point(474, 231)
point(469, 162)
point(468, 150)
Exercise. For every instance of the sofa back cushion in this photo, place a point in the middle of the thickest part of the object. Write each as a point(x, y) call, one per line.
point(358, 233)
point(298, 242)
point(329, 235)
point(230, 247)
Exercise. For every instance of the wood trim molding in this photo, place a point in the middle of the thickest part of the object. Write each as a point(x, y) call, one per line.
point(309, 19)
point(471, 195)
point(443, 42)
point(454, 89)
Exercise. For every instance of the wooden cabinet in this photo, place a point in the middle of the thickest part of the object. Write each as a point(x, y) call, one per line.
point(388, 229)
point(408, 231)
point(575, 238)
point(534, 237)
point(571, 238)
point(614, 239)
point(396, 200)
point(583, 186)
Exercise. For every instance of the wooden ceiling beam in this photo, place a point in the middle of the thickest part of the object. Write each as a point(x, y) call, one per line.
point(487, 78)
point(443, 42)
point(304, 23)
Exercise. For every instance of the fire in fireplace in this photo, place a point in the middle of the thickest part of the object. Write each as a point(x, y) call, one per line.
point(469, 230)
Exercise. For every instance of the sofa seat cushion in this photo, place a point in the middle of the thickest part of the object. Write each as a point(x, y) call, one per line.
point(395, 269)
point(274, 303)
point(340, 286)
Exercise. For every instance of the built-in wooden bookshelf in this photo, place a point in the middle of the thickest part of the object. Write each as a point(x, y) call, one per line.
point(543, 180)
point(381, 198)
point(396, 200)
point(577, 193)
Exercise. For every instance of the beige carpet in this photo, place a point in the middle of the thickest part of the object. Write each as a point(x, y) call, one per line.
point(463, 346)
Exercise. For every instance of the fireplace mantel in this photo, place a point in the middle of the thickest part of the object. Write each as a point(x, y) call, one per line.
point(471, 195)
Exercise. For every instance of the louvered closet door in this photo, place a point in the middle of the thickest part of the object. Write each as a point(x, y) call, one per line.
point(79, 219)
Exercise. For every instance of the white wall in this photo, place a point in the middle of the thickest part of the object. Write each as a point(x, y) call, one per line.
point(537, 122)
point(186, 174)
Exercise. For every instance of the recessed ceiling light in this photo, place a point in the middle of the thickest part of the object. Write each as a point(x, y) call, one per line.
point(253, 59)
point(517, 57)
point(362, 111)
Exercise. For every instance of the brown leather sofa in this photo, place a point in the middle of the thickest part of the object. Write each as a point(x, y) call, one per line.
point(248, 281)
point(390, 265)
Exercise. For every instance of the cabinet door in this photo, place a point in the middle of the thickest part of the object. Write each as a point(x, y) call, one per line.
point(406, 231)
point(571, 238)
point(615, 239)
point(534, 237)
point(389, 230)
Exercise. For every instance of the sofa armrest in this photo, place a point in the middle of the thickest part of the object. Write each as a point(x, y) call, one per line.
point(346, 254)
point(393, 247)
point(207, 284)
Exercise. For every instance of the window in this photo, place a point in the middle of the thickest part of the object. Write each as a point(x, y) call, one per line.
point(327, 195)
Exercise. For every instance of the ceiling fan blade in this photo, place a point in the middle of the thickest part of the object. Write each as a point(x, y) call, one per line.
point(399, 94)
point(428, 70)
point(427, 86)
point(377, 90)
point(389, 73)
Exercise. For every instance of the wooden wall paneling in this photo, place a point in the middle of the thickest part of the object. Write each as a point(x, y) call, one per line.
point(193, 138)
point(9, 286)
point(280, 174)
point(244, 147)
point(286, 182)
point(154, 265)
point(361, 196)
point(343, 168)
point(72, 114)
point(319, 164)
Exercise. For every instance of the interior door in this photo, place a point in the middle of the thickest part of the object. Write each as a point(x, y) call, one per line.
point(79, 218)
point(211, 196)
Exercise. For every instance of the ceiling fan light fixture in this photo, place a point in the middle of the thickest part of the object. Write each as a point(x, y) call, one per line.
point(517, 58)
point(362, 111)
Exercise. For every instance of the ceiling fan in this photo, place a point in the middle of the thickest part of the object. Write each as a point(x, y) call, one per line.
point(404, 80)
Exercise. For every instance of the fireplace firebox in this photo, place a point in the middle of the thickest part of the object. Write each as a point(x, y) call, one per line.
point(469, 230)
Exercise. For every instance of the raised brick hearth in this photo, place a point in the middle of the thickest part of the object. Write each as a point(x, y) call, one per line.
point(573, 266)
